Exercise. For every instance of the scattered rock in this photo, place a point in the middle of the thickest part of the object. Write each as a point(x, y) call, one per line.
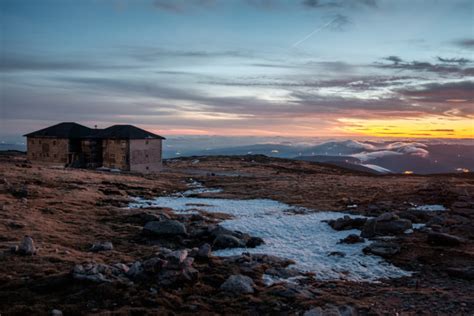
point(331, 310)
point(283, 273)
point(101, 273)
point(443, 239)
point(204, 251)
point(56, 312)
point(238, 284)
point(227, 241)
point(166, 227)
point(352, 239)
point(177, 257)
point(254, 242)
point(102, 246)
point(385, 224)
point(336, 254)
point(347, 223)
point(136, 270)
point(382, 249)
point(27, 247)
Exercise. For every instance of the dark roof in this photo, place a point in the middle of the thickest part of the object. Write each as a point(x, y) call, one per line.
point(64, 130)
point(127, 132)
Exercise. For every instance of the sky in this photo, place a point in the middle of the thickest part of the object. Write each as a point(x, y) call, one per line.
point(313, 68)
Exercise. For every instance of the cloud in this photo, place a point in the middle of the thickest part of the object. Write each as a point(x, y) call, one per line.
point(442, 92)
point(465, 43)
point(395, 59)
point(314, 4)
point(11, 62)
point(179, 6)
point(398, 63)
point(148, 54)
point(460, 61)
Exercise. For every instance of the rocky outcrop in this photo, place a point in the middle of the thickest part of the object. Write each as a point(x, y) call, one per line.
point(347, 223)
point(167, 268)
point(352, 239)
point(382, 249)
point(385, 224)
point(225, 238)
point(238, 284)
point(331, 310)
point(164, 228)
point(227, 241)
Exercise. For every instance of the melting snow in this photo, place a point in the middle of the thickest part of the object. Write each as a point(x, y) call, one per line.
point(303, 237)
point(430, 208)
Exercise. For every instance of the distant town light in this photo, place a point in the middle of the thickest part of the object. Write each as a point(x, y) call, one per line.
point(408, 172)
point(465, 170)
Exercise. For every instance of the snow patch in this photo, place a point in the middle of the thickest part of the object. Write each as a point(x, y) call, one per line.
point(429, 208)
point(377, 168)
point(301, 237)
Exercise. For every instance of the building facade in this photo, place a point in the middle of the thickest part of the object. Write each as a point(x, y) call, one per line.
point(123, 147)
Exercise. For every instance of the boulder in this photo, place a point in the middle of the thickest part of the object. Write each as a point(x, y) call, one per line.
point(385, 224)
point(238, 284)
point(204, 251)
point(442, 239)
point(27, 246)
point(177, 257)
point(382, 249)
point(102, 246)
point(352, 239)
point(253, 242)
point(136, 270)
point(346, 223)
point(331, 310)
point(166, 227)
point(227, 241)
point(154, 265)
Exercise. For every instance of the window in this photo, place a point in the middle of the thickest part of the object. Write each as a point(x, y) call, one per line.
point(146, 142)
point(146, 155)
point(55, 156)
point(147, 168)
point(33, 154)
point(39, 142)
point(32, 141)
point(54, 143)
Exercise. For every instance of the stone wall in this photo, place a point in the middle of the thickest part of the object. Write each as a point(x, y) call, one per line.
point(115, 154)
point(51, 150)
point(145, 155)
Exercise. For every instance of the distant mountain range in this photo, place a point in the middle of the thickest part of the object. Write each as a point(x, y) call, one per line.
point(384, 157)
point(375, 157)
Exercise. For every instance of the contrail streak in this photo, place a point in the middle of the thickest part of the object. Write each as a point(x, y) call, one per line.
point(313, 32)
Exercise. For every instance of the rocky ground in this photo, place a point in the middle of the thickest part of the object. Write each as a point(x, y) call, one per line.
point(87, 254)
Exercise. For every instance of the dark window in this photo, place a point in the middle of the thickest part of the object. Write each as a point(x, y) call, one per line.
point(147, 168)
point(54, 143)
point(32, 141)
point(39, 141)
point(146, 156)
point(33, 154)
point(146, 142)
point(55, 156)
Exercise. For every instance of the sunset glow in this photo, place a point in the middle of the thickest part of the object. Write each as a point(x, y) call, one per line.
point(325, 68)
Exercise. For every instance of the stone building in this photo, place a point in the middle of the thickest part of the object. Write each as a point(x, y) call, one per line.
point(123, 147)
